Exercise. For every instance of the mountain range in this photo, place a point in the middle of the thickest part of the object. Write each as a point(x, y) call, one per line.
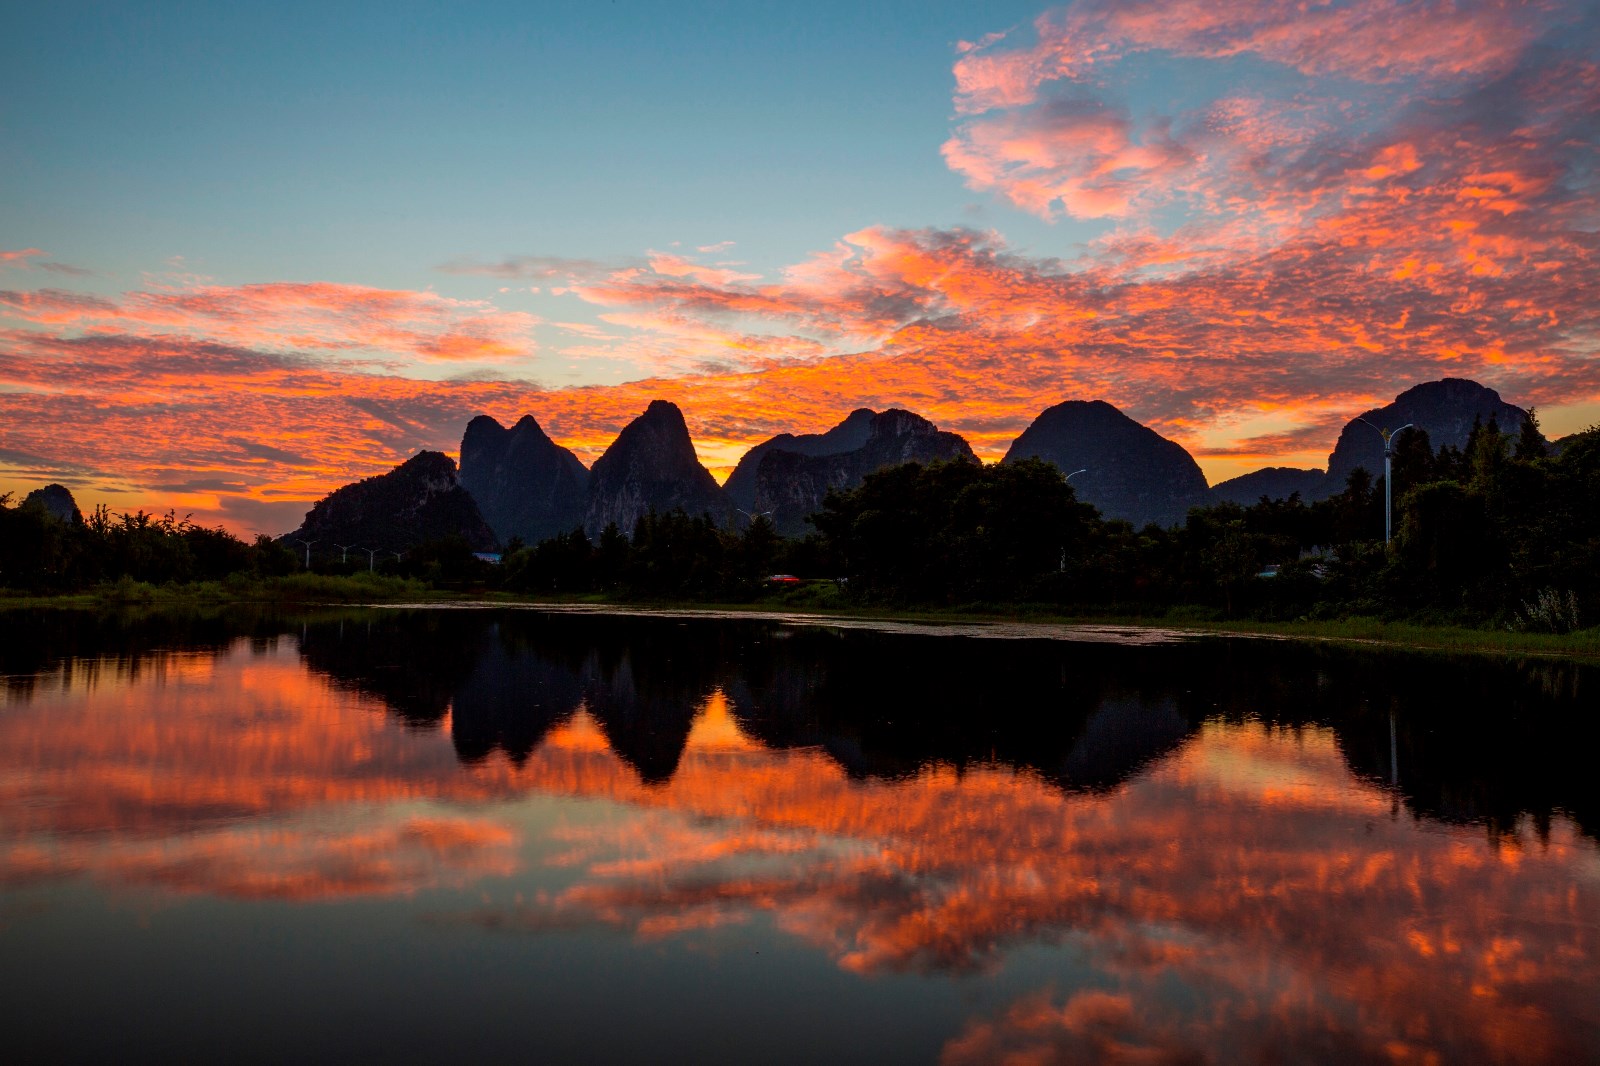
point(791, 484)
point(518, 483)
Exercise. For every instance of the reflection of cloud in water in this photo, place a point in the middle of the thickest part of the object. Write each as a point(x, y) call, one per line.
point(1291, 905)
point(1244, 892)
point(284, 863)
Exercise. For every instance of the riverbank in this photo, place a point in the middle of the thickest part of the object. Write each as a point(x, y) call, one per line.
point(315, 590)
point(1583, 645)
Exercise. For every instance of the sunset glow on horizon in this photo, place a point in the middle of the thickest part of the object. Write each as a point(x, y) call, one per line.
point(229, 290)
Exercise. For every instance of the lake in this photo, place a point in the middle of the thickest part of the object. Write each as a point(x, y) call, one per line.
point(426, 834)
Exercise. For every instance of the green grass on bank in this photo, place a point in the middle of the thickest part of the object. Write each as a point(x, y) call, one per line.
point(1581, 645)
point(823, 598)
point(238, 588)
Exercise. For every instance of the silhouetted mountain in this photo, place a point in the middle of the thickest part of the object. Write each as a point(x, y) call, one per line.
point(651, 466)
point(792, 485)
point(417, 501)
point(57, 502)
point(1129, 471)
point(1273, 482)
point(1445, 409)
point(847, 436)
point(525, 484)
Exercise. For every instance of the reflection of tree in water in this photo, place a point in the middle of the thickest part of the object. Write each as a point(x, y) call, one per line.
point(887, 705)
point(74, 646)
point(414, 661)
point(1475, 740)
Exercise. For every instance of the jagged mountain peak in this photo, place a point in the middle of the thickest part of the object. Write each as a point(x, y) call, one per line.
point(526, 485)
point(792, 484)
point(652, 465)
point(848, 435)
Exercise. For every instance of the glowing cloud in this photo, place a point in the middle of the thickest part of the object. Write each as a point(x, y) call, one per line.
point(1407, 192)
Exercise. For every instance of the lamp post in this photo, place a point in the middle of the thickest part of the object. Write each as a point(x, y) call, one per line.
point(308, 544)
point(753, 517)
point(344, 552)
point(1388, 436)
point(372, 553)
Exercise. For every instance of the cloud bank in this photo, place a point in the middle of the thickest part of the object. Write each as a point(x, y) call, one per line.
point(1358, 196)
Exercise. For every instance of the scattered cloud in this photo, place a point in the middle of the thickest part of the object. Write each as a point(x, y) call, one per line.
point(33, 259)
point(532, 268)
point(1285, 250)
point(297, 316)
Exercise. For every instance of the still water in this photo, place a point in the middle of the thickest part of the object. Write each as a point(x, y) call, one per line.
point(430, 834)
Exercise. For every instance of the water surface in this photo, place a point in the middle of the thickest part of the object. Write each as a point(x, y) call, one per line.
point(411, 835)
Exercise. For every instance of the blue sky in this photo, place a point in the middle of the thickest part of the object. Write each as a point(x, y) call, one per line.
point(368, 143)
point(250, 252)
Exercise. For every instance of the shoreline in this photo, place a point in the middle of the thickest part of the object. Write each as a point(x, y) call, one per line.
point(1022, 624)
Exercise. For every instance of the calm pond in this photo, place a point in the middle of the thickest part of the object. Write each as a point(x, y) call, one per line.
point(421, 835)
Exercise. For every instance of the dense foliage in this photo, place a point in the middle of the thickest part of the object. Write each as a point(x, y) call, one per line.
point(40, 552)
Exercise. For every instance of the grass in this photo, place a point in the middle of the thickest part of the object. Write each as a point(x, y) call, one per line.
point(236, 588)
point(823, 599)
point(1583, 645)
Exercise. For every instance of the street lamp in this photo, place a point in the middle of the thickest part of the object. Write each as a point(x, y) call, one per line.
point(1063, 566)
point(308, 544)
point(1388, 436)
point(344, 552)
point(753, 517)
point(372, 553)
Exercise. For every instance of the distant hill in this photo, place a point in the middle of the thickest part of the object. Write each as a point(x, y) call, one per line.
point(57, 502)
point(792, 484)
point(525, 484)
point(1446, 409)
point(847, 436)
point(420, 500)
point(1130, 471)
point(650, 466)
point(1273, 482)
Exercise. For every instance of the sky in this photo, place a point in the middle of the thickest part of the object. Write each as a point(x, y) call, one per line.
point(251, 253)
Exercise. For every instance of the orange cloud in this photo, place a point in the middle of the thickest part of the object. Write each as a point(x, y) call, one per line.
point(315, 316)
point(1294, 254)
point(1247, 887)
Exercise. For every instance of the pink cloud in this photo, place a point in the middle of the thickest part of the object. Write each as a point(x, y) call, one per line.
point(1038, 127)
point(33, 258)
point(1367, 40)
point(304, 316)
point(1279, 259)
point(1078, 154)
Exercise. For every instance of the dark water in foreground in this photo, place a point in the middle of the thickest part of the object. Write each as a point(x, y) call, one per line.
point(430, 835)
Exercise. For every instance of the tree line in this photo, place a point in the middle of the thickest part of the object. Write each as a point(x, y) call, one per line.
point(1497, 532)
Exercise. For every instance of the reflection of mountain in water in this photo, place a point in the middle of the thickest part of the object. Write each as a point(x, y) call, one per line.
point(1474, 740)
point(512, 698)
point(887, 705)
